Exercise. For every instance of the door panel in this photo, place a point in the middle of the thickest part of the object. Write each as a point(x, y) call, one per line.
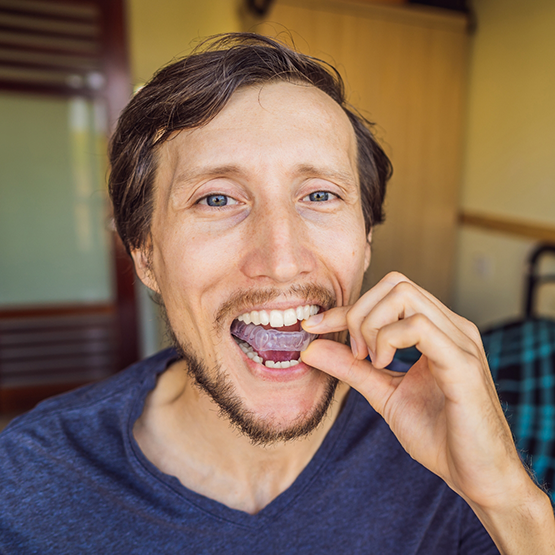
point(53, 201)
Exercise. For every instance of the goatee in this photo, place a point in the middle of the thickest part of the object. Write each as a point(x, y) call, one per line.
point(216, 383)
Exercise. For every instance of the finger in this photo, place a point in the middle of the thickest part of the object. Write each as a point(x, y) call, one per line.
point(337, 360)
point(363, 321)
point(450, 365)
point(467, 327)
point(396, 278)
point(333, 320)
point(342, 318)
point(402, 302)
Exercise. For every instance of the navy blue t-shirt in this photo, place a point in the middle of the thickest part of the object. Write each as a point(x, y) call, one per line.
point(74, 481)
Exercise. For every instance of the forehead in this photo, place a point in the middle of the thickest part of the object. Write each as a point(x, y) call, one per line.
point(277, 123)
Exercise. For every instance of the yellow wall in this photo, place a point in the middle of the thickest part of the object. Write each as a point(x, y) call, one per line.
point(509, 166)
point(162, 30)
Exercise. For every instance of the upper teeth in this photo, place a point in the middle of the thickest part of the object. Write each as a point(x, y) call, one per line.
point(279, 318)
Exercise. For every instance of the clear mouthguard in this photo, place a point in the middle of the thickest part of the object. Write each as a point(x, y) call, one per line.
point(272, 339)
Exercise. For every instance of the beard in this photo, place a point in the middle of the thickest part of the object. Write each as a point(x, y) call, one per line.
point(216, 383)
point(221, 390)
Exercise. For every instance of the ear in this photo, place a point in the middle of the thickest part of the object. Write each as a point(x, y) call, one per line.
point(368, 251)
point(142, 258)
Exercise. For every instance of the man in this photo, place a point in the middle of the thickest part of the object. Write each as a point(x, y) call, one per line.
point(246, 192)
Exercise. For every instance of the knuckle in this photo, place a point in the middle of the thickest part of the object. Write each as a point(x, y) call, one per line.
point(418, 321)
point(352, 317)
point(404, 288)
point(395, 277)
point(367, 328)
point(471, 330)
point(475, 351)
point(470, 360)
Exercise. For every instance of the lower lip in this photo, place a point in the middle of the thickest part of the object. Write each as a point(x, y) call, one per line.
point(275, 374)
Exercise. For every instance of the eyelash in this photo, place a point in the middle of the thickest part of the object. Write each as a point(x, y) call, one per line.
point(321, 192)
point(204, 200)
point(307, 198)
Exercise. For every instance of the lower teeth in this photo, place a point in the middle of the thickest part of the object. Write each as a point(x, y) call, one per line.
point(253, 355)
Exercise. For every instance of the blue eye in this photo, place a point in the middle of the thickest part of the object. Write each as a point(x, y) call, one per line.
point(217, 201)
point(320, 196)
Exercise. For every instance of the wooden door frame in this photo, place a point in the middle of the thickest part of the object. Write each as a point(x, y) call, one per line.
point(116, 93)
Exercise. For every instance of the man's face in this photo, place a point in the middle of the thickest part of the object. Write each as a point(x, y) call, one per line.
point(258, 210)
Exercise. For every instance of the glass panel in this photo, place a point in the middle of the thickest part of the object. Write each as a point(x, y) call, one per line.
point(54, 246)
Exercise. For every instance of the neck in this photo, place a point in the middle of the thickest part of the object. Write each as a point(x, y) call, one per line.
point(182, 433)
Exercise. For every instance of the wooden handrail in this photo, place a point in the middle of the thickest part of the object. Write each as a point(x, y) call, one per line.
point(512, 226)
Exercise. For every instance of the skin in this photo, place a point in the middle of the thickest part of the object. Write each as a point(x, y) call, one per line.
point(268, 150)
point(444, 411)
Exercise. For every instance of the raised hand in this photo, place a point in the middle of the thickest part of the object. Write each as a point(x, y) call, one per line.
point(444, 410)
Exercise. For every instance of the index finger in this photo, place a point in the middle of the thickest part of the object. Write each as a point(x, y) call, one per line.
point(334, 319)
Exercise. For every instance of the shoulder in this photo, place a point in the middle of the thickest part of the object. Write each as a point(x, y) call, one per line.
point(84, 397)
point(71, 452)
point(80, 415)
point(71, 447)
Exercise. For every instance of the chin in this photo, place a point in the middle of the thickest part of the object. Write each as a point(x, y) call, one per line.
point(288, 413)
point(287, 401)
point(258, 381)
point(270, 409)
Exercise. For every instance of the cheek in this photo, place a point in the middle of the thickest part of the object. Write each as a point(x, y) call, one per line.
point(346, 235)
point(192, 268)
point(343, 251)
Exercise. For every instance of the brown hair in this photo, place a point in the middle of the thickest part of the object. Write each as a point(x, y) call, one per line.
point(189, 93)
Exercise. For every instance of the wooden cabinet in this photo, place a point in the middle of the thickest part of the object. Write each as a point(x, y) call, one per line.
point(405, 69)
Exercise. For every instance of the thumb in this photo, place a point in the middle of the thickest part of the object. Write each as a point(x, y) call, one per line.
point(337, 360)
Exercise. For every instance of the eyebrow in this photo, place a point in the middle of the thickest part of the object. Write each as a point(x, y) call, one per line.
point(208, 171)
point(328, 173)
point(307, 170)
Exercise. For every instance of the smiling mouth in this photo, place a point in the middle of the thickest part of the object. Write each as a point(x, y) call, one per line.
point(274, 338)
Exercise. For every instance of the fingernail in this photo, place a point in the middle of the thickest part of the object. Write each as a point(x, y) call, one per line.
point(314, 320)
point(354, 347)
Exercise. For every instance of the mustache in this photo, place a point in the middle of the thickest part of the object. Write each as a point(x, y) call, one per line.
point(242, 300)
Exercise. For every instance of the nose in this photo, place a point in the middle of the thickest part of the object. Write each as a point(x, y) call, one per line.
point(277, 245)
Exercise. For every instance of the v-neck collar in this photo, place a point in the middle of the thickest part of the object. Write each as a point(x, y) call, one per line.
point(158, 479)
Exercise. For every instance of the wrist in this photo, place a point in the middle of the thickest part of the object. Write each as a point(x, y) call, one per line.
point(523, 523)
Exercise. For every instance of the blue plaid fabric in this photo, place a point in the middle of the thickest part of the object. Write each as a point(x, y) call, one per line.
point(521, 356)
